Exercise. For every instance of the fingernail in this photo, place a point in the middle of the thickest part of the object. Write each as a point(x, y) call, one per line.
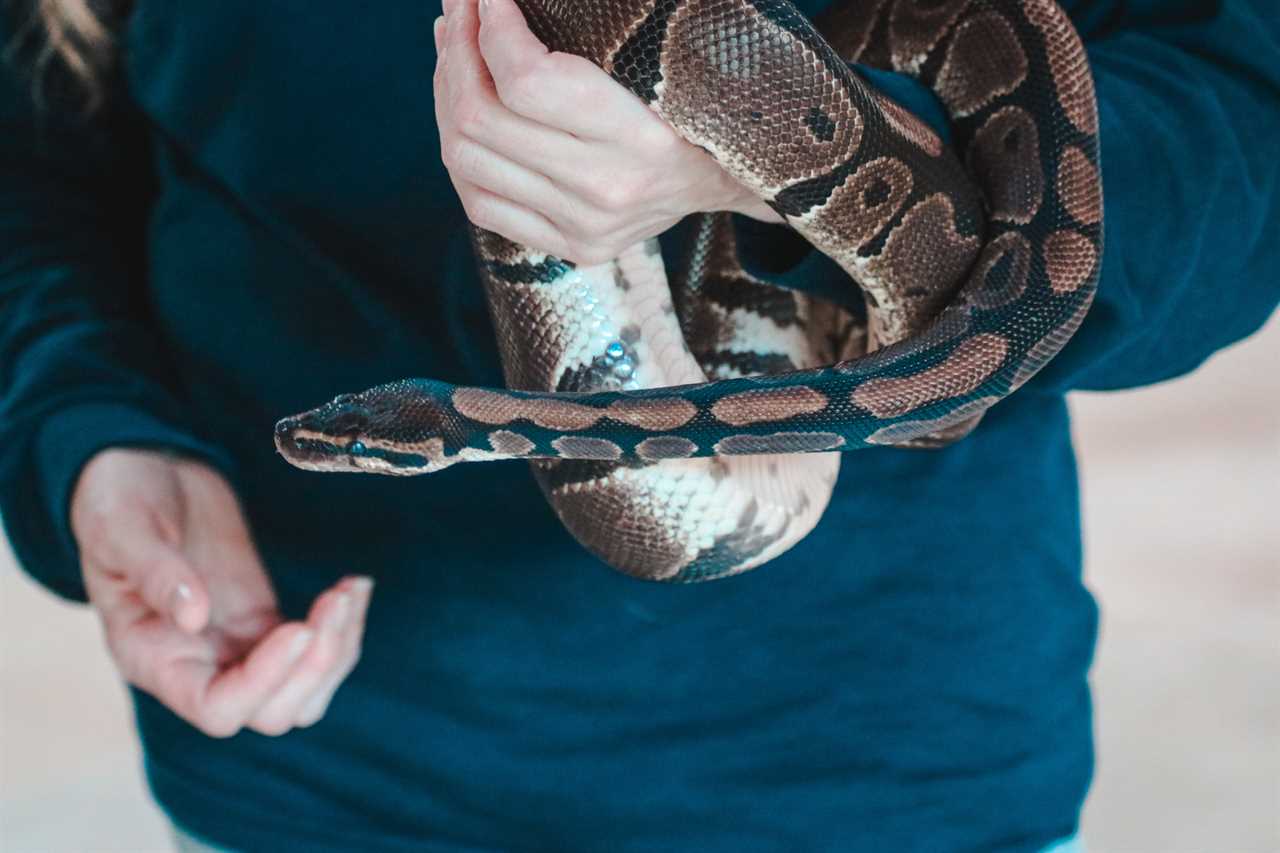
point(299, 644)
point(180, 596)
point(362, 585)
point(338, 615)
point(484, 8)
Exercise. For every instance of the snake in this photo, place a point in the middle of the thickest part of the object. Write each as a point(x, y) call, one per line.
point(691, 428)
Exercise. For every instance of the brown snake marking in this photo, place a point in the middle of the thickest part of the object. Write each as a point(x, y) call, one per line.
point(665, 447)
point(1069, 259)
point(1006, 154)
point(1079, 186)
point(767, 404)
point(973, 361)
point(510, 443)
point(972, 280)
point(984, 61)
point(1011, 254)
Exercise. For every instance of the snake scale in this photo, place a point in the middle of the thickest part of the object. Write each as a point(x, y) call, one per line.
point(691, 430)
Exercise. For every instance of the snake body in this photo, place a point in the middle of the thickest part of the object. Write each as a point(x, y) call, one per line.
point(656, 416)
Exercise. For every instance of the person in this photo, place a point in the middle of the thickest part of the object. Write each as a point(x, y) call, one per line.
point(214, 215)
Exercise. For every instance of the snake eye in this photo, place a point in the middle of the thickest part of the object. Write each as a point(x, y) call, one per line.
point(357, 448)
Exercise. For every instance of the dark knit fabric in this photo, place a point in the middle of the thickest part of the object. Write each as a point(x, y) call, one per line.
point(262, 222)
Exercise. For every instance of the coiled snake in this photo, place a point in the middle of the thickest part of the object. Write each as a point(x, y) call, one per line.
point(976, 267)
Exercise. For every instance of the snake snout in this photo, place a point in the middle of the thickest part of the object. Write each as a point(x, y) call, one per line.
point(325, 438)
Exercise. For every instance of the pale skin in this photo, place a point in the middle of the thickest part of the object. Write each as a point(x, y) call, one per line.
point(187, 607)
point(168, 559)
point(549, 151)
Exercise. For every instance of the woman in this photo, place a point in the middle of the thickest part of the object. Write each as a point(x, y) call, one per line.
point(254, 217)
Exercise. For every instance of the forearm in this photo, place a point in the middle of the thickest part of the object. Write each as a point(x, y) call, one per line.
point(80, 366)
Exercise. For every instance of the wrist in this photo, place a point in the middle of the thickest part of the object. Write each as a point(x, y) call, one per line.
point(740, 200)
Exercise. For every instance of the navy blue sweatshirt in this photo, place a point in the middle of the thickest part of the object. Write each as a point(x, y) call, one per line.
point(261, 221)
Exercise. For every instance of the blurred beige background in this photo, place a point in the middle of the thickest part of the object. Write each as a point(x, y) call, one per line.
point(1182, 515)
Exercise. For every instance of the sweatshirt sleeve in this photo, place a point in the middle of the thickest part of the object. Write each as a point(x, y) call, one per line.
point(81, 368)
point(1189, 110)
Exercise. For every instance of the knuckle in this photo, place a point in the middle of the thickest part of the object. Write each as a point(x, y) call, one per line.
point(469, 115)
point(217, 724)
point(347, 661)
point(478, 211)
point(615, 196)
point(463, 158)
point(451, 152)
point(323, 661)
point(525, 90)
point(272, 726)
point(310, 717)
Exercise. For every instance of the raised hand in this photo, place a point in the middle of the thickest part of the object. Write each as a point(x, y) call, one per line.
point(186, 606)
point(549, 151)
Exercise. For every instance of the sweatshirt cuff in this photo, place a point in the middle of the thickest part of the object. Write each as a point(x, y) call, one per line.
point(778, 255)
point(64, 445)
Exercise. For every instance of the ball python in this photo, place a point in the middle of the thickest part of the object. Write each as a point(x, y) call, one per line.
point(693, 430)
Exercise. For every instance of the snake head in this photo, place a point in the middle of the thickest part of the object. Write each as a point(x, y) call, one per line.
point(404, 428)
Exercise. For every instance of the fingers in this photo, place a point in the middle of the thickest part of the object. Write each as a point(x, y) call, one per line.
point(286, 680)
point(337, 617)
point(319, 703)
point(221, 702)
point(168, 584)
point(467, 108)
point(135, 566)
point(552, 88)
point(492, 212)
point(470, 162)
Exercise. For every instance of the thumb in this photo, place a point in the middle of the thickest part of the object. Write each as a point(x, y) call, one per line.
point(168, 584)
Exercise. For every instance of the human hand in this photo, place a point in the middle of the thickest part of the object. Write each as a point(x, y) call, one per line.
point(186, 606)
point(549, 151)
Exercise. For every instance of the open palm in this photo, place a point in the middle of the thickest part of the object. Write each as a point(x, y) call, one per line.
point(186, 605)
